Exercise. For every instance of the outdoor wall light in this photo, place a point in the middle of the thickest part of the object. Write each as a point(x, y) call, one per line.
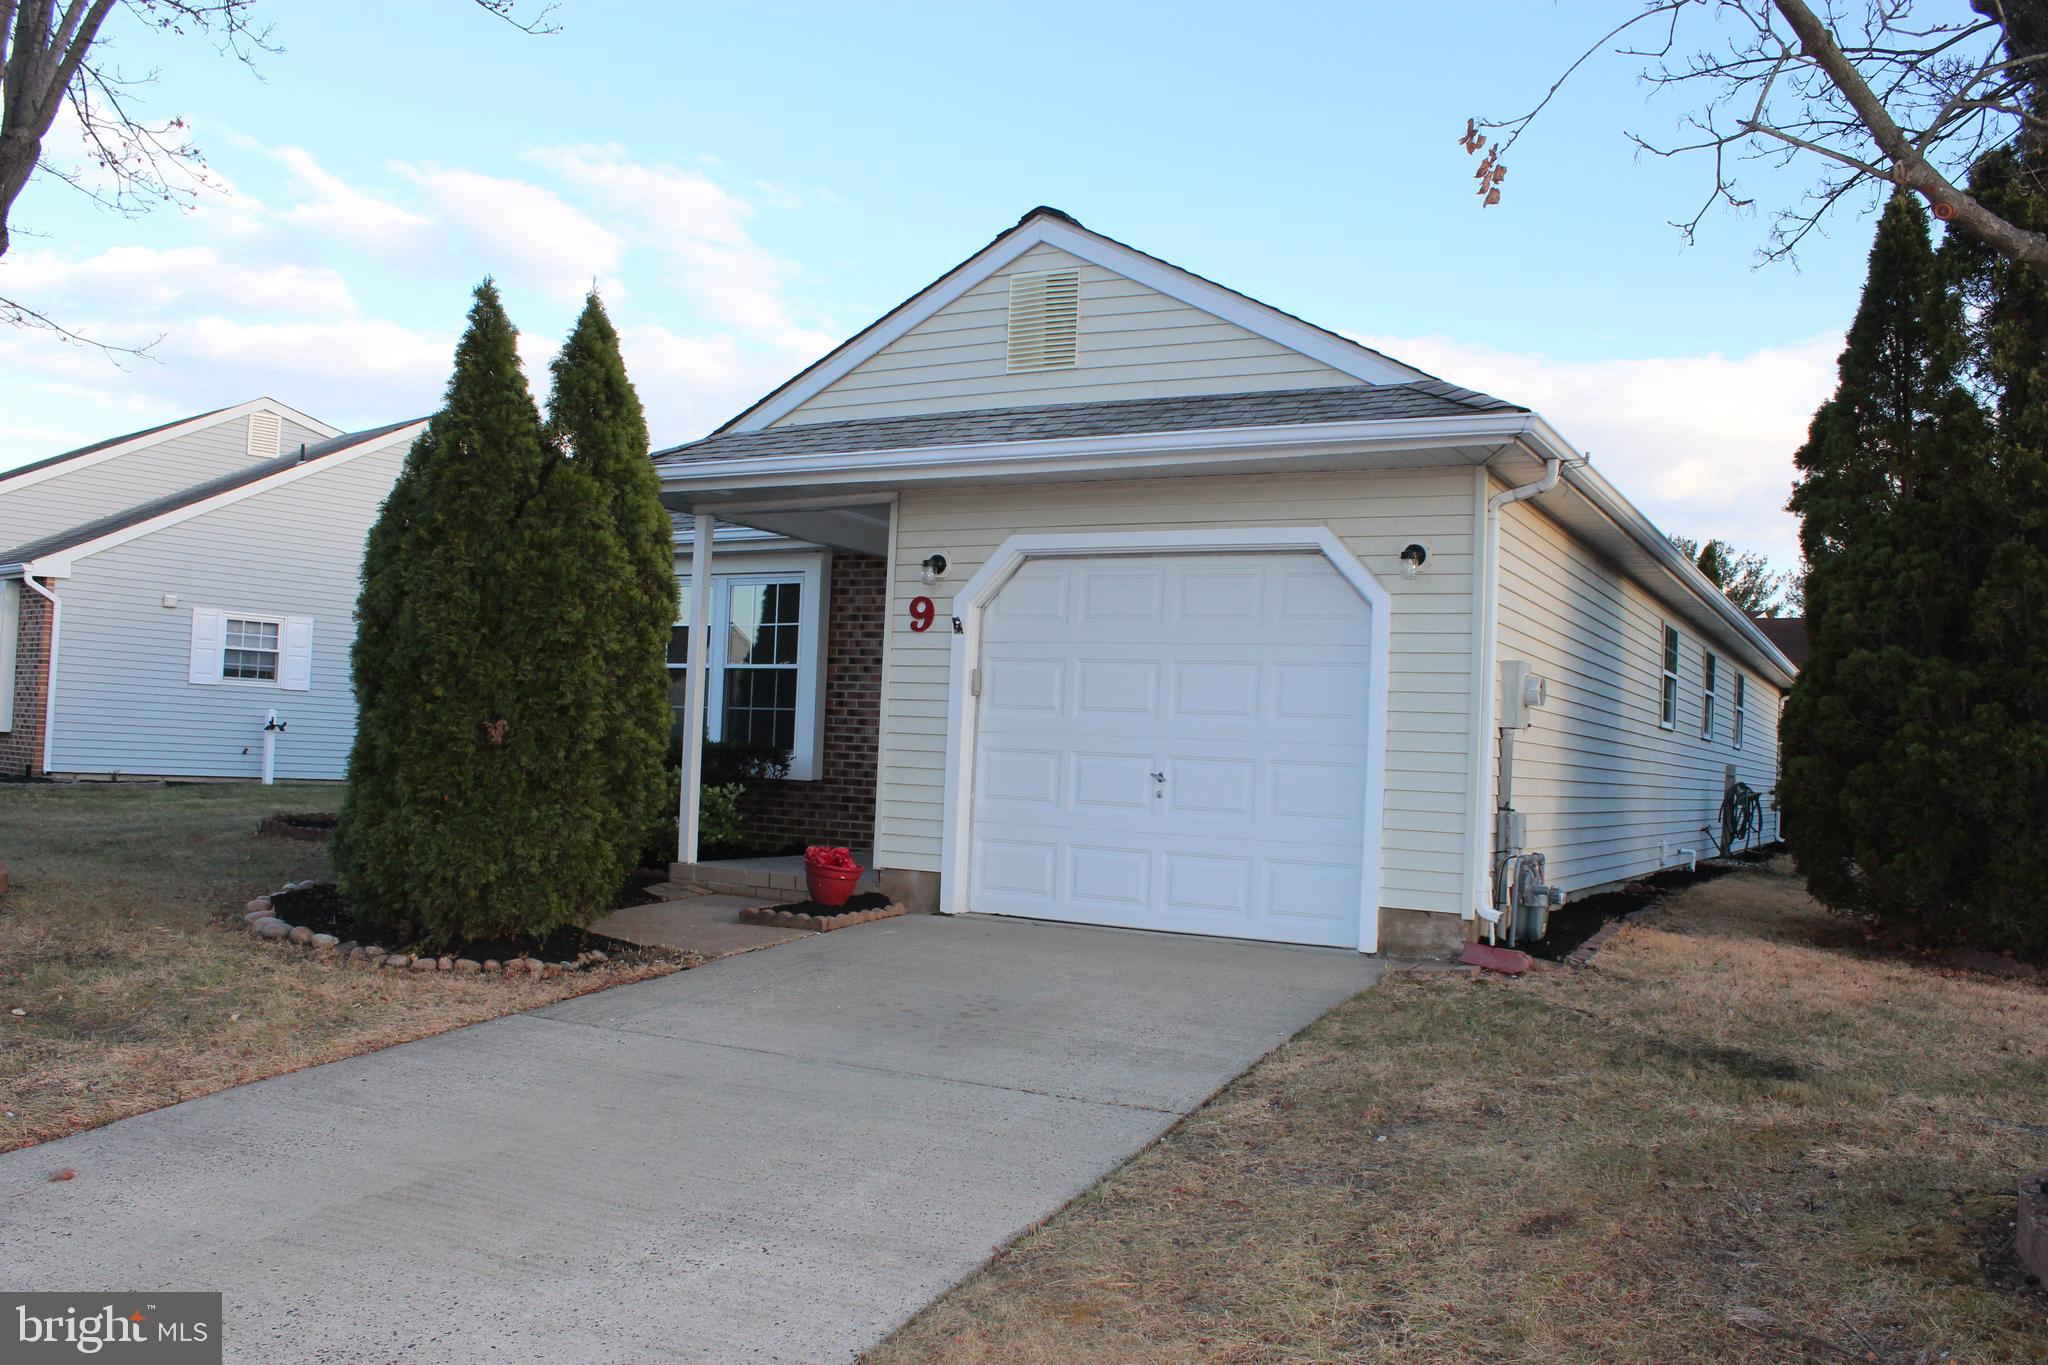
point(934, 568)
point(1413, 556)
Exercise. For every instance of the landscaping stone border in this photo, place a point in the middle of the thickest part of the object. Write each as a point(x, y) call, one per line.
point(267, 927)
point(819, 924)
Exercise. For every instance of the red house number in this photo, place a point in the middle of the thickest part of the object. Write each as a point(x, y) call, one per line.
point(921, 612)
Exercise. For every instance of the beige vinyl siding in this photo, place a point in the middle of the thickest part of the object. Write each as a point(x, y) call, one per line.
point(125, 702)
point(1609, 793)
point(1375, 514)
point(66, 497)
point(1135, 342)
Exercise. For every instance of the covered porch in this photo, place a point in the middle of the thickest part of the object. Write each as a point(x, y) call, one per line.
point(778, 647)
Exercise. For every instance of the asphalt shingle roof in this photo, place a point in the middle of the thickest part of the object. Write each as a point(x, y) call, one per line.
point(185, 497)
point(1123, 417)
point(49, 460)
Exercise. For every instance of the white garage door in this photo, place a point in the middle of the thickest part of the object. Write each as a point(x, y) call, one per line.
point(1174, 742)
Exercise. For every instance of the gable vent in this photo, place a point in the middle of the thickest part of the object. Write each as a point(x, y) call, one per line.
point(1045, 316)
point(266, 433)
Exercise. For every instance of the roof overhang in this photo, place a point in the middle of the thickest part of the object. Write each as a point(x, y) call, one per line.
point(841, 498)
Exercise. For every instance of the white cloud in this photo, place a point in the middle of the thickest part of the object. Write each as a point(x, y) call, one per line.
point(1703, 444)
point(136, 277)
point(524, 232)
point(702, 227)
point(353, 215)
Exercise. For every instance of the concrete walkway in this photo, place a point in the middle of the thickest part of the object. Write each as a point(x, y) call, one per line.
point(779, 1156)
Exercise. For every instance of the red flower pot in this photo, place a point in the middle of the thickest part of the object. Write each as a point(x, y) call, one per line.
point(830, 885)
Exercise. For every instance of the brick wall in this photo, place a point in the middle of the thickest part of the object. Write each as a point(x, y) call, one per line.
point(21, 749)
point(839, 806)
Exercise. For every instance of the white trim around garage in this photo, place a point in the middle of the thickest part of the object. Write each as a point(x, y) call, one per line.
point(973, 598)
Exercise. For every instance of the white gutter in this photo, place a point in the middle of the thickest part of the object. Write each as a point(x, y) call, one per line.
point(50, 675)
point(1087, 452)
point(1480, 807)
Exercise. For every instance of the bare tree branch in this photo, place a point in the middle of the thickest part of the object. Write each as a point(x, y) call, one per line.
point(1876, 98)
point(53, 59)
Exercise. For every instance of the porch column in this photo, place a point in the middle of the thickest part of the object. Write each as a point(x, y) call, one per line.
point(697, 677)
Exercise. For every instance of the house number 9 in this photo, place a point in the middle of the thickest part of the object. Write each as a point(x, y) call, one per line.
point(921, 612)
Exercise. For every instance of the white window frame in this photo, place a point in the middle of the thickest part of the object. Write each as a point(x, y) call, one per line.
point(731, 569)
point(1710, 687)
point(1667, 678)
point(1741, 707)
point(252, 618)
point(208, 646)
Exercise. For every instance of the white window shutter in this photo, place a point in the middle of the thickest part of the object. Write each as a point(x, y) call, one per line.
point(209, 637)
point(295, 655)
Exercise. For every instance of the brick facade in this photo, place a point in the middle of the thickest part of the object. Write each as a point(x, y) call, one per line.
point(839, 806)
point(21, 748)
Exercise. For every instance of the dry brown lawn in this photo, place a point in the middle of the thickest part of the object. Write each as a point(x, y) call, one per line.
point(1736, 1137)
point(134, 995)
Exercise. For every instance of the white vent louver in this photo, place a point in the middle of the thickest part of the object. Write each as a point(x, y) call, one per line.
point(1045, 316)
point(266, 433)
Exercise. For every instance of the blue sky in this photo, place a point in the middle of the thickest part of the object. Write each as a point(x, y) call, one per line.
point(750, 183)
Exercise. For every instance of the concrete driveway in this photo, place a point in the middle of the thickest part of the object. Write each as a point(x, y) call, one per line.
point(780, 1156)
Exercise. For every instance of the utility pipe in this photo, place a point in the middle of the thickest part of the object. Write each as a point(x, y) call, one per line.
point(272, 726)
point(1481, 810)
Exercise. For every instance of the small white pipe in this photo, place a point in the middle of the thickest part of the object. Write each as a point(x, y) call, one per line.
point(1692, 855)
point(270, 749)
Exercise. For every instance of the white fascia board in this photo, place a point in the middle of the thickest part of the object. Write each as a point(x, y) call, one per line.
point(59, 564)
point(169, 433)
point(1545, 443)
point(738, 539)
point(1083, 455)
point(1346, 357)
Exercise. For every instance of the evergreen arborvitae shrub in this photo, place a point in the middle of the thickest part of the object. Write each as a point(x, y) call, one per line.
point(595, 419)
point(474, 805)
point(1906, 799)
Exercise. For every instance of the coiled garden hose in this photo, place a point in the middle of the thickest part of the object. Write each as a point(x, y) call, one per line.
point(1742, 817)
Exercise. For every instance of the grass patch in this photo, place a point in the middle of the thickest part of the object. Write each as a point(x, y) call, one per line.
point(135, 996)
point(1736, 1137)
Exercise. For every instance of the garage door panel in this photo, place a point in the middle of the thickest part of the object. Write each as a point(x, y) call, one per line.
point(1108, 877)
point(1122, 598)
point(1034, 687)
point(1117, 687)
point(1111, 783)
point(1238, 680)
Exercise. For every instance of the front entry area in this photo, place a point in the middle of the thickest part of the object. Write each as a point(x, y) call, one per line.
point(1175, 742)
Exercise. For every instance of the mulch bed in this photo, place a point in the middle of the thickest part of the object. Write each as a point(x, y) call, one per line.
point(312, 825)
point(1576, 922)
point(864, 908)
point(320, 908)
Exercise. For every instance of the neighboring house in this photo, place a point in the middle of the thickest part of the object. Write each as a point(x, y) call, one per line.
point(1195, 614)
point(205, 578)
point(1788, 633)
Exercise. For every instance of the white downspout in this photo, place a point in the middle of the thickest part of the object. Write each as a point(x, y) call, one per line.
point(696, 680)
point(50, 683)
point(1482, 803)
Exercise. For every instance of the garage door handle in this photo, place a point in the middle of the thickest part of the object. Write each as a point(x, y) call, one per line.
point(1159, 777)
